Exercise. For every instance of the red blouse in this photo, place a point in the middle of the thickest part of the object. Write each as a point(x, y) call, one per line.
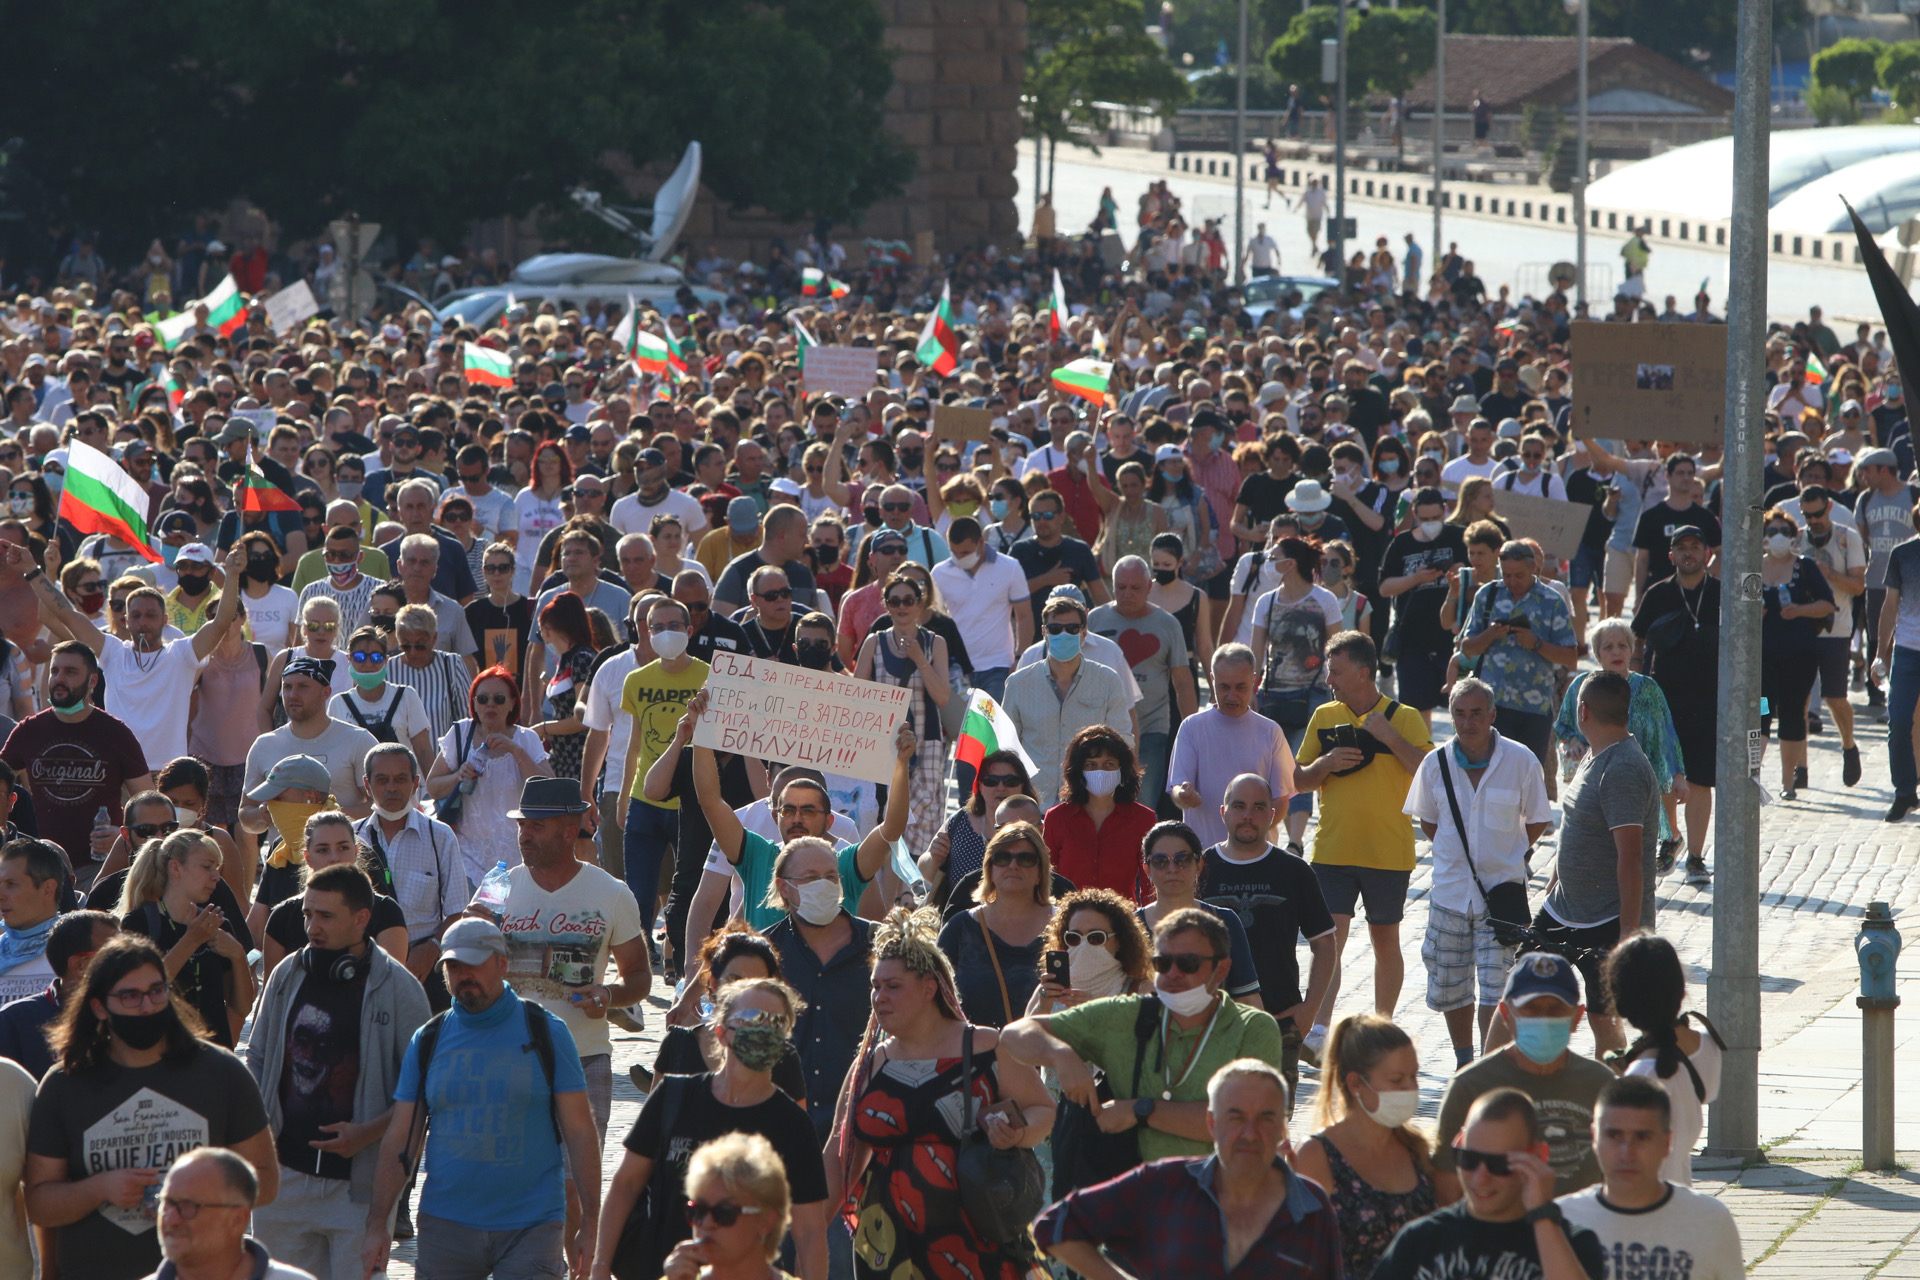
point(1108, 858)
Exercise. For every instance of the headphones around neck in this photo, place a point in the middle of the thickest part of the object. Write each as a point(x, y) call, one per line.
point(342, 966)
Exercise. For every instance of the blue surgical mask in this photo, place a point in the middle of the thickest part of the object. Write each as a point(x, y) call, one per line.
point(1543, 1040)
point(999, 508)
point(167, 553)
point(1388, 466)
point(1064, 647)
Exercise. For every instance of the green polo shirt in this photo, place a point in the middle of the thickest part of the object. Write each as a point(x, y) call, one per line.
point(756, 873)
point(1101, 1032)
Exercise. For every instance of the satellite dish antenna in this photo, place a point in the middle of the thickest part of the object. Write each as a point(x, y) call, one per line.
point(1561, 275)
point(673, 204)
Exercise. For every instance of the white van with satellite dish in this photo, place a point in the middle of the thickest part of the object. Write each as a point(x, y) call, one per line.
point(572, 280)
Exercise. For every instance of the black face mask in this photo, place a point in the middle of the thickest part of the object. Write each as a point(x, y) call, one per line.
point(262, 568)
point(825, 555)
point(815, 653)
point(910, 459)
point(193, 584)
point(1165, 577)
point(141, 1030)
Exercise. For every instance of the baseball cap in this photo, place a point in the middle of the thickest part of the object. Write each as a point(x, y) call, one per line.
point(301, 771)
point(1272, 391)
point(236, 429)
point(1687, 531)
point(473, 941)
point(1464, 404)
point(1850, 406)
point(177, 522)
point(1877, 458)
point(650, 458)
point(1541, 973)
point(194, 551)
point(579, 433)
point(782, 485)
point(1169, 453)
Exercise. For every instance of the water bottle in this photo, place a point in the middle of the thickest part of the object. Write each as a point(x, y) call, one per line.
point(492, 895)
point(706, 1008)
point(479, 758)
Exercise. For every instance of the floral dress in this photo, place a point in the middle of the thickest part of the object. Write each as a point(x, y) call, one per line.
point(564, 750)
point(1369, 1217)
point(1649, 720)
point(912, 1225)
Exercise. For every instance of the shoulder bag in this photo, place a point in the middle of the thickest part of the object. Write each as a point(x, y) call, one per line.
point(449, 807)
point(1002, 1190)
point(1507, 911)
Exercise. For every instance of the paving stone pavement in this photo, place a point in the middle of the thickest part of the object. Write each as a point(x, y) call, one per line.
point(1805, 1210)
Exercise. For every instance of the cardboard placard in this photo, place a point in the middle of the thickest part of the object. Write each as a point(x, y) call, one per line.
point(773, 711)
point(262, 421)
point(954, 422)
point(1556, 526)
point(1649, 381)
point(923, 247)
point(844, 371)
point(290, 306)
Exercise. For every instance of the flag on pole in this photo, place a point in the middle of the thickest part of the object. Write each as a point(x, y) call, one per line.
point(485, 366)
point(814, 282)
point(1897, 307)
point(622, 335)
point(987, 729)
point(1086, 379)
point(259, 493)
point(101, 498)
point(1816, 372)
point(939, 345)
point(655, 354)
point(1057, 312)
point(800, 334)
point(226, 312)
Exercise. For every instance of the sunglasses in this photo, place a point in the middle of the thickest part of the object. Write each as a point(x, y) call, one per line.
point(1494, 1163)
point(890, 551)
point(697, 606)
point(816, 471)
point(377, 659)
point(496, 568)
point(1073, 937)
point(321, 626)
point(1000, 780)
point(778, 593)
point(1178, 861)
point(149, 830)
point(902, 602)
point(118, 606)
point(896, 506)
point(801, 811)
point(724, 1214)
point(491, 700)
point(1063, 628)
point(1008, 857)
point(1186, 962)
point(416, 647)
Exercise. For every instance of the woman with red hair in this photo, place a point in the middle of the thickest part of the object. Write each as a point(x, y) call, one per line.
point(566, 633)
point(483, 759)
point(537, 511)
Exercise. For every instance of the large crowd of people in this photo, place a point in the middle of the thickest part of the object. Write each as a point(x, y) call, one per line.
point(352, 791)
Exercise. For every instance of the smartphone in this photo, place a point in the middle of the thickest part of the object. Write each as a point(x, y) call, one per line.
point(1519, 624)
point(1345, 735)
point(1056, 967)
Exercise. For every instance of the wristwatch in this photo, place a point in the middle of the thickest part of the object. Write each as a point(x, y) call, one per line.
point(1143, 1110)
point(30, 576)
point(1548, 1212)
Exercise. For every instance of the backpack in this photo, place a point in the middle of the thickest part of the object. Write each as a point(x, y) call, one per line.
point(540, 1043)
point(383, 727)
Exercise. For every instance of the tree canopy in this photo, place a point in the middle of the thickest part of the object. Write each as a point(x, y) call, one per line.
point(430, 114)
point(1387, 49)
point(1080, 52)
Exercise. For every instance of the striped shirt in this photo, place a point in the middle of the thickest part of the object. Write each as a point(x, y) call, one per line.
point(354, 602)
point(442, 687)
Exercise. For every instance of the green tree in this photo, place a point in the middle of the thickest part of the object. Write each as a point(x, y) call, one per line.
point(429, 115)
point(1851, 66)
point(1692, 33)
point(1080, 52)
point(1387, 49)
point(1898, 71)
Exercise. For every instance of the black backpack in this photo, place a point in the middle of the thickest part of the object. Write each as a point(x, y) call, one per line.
point(383, 727)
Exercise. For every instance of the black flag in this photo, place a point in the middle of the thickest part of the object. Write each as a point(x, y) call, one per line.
point(1896, 304)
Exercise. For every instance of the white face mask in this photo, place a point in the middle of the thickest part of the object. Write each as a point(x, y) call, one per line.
point(1095, 971)
point(1779, 544)
point(968, 561)
point(1185, 1004)
point(1430, 529)
point(186, 817)
point(669, 644)
point(819, 902)
point(393, 815)
point(1397, 1107)
point(1102, 782)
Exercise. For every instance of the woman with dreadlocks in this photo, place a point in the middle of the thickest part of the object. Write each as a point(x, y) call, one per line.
point(1648, 987)
point(905, 1112)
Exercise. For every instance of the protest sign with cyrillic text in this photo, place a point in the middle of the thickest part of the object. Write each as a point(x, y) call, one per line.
point(773, 711)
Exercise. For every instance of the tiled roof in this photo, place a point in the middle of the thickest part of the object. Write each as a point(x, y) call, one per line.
point(1511, 71)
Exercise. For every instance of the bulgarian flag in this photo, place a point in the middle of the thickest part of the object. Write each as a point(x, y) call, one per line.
point(655, 355)
point(226, 312)
point(1086, 379)
point(486, 366)
point(987, 729)
point(101, 498)
point(1057, 311)
point(259, 493)
point(814, 282)
point(176, 391)
point(622, 335)
point(939, 346)
point(1816, 372)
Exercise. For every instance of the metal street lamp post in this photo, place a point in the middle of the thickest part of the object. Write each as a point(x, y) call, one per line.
point(1580, 8)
